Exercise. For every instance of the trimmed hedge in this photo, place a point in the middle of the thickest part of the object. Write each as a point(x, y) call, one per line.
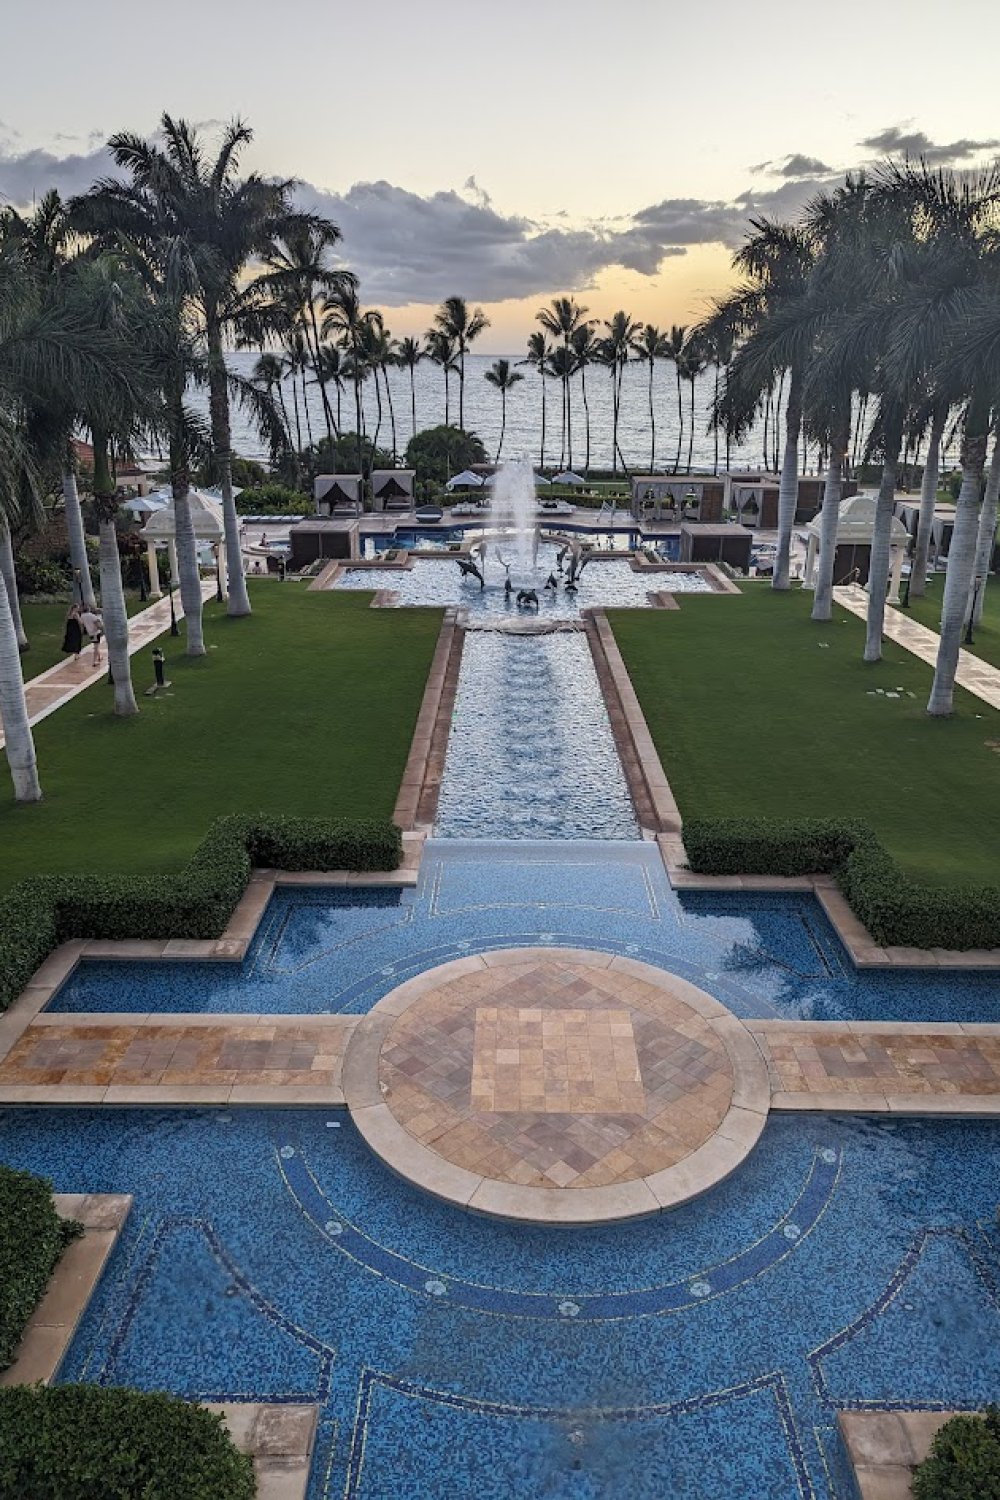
point(32, 1238)
point(88, 1442)
point(896, 910)
point(40, 913)
point(964, 1461)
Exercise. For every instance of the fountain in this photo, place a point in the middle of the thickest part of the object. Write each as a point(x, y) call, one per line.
point(514, 505)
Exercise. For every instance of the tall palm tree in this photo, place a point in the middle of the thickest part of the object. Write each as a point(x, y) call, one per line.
point(928, 499)
point(268, 375)
point(650, 346)
point(674, 351)
point(194, 206)
point(382, 352)
point(616, 346)
point(539, 354)
point(693, 360)
point(463, 326)
point(442, 350)
point(586, 346)
point(562, 320)
point(502, 378)
point(330, 371)
point(409, 353)
point(345, 319)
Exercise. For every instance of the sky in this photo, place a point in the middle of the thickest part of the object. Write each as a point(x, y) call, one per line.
point(612, 149)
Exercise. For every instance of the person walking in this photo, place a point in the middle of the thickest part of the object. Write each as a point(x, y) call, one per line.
point(73, 634)
point(94, 627)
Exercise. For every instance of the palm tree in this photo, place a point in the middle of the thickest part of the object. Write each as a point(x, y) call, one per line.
point(268, 375)
point(330, 371)
point(539, 354)
point(463, 326)
point(692, 364)
point(502, 378)
point(382, 353)
point(196, 208)
point(928, 500)
point(674, 350)
point(408, 356)
point(345, 319)
point(562, 320)
point(987, 535)
point(441, 350)
point(650, 346)
point(622, 331)
point(586, 347)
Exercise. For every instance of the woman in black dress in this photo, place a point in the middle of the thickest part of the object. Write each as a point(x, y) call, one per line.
point(73, 637)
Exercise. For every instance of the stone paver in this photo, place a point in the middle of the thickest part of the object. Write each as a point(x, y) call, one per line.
point(51, 689)
point(857, 1063)
point(884, 1447)
point(975, 675)
point(188, 1060)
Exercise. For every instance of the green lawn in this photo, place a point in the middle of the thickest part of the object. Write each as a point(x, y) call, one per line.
point(927, 609)
point(754, 709)
point(307, 708)
point(44, 625)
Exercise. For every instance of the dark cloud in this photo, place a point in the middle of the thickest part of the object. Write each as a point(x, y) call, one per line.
point(895, 141)
point(795, 165)
point(25, 175)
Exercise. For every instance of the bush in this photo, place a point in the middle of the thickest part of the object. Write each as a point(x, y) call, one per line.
point(38, 914)
point(896, 910)
point(964, 1461)
point(437, 452)
point(88, 1442)
point(40, 576)
point(32, 1238)
point(273, 500)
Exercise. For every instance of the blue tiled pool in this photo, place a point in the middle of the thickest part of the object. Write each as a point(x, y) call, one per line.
point(319, 951)
point(700, 1355)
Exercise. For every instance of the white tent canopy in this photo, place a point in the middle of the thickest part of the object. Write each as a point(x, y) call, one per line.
point(146, 505)
point(568, 477)
point(206, 515)
point(465, 480)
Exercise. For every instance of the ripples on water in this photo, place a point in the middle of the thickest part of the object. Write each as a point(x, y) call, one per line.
point(531, 753)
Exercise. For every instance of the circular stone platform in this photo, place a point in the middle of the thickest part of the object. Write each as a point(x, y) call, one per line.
point(556, 1085)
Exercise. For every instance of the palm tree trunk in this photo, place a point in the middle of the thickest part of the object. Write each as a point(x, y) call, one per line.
point(680, 420)
point(569, 415)
point(19, 743)
point(878, 562)
point(317, 365)
point(461, 389)
point(829, 520)
point(357, 416)
point(928, 496)
point(541, 456)
point(392, 412)
point(115, 617)
point(222, 449)
point(187, 554)
point(961, 561)
point(503, 422)
point(7, 572)
point(652, 421)
point(413, 399)
point(298, 423)
point(614, 420)
point(691, 429)
point(447, 393)
point(715, 425)
point(986, 539)
point(77, 537)
point(562, 423)
point(586, 416)
point(305, 405)
point(767, 418)
point(788, 489)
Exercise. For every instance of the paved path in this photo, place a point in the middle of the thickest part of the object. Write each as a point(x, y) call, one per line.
point(974, 674)
point(51, 689)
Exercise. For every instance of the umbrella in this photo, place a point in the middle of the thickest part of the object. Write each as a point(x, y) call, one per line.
point(466, 479)
point(541, 479)
point(568, 477)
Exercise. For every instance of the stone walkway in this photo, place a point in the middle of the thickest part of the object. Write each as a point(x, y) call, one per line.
point(56, 686)
point(974, 674)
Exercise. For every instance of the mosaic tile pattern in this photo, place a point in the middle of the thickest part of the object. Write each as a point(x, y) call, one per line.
point(884, 1063)
point(556, 1074)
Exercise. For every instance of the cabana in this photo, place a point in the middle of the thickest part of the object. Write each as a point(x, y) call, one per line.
point(567, 477)
point(687, 497)
point(393, 489)
point(206, 515)
point(465, 481)
point(337, 494)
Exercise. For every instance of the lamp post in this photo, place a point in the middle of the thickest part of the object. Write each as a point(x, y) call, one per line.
point(173, 613)
point(218, 573)
point(78, 585)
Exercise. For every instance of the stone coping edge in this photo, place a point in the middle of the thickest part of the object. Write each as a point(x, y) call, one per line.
point(280, 1440)
point(51, 1327)
point(416, 803)
point(884, 1447)
point(710, 1163)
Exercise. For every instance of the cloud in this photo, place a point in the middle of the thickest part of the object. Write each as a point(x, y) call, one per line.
point(895, 141)
point(795, 165)
point(25, 175)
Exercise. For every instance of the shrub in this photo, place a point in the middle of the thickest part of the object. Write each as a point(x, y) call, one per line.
point(964, 1461)
point(437, 452)
point(40, 576)
point(273, 500)
point(32, 1238)
point(88, 1442)
point(38, 914)
point(896, 910)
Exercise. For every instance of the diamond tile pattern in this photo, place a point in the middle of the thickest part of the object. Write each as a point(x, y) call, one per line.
point(555, 1074)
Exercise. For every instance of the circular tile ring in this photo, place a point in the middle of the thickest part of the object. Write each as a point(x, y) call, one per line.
point(725, 1147)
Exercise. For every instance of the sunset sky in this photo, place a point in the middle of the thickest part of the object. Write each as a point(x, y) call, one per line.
point(511, 152)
